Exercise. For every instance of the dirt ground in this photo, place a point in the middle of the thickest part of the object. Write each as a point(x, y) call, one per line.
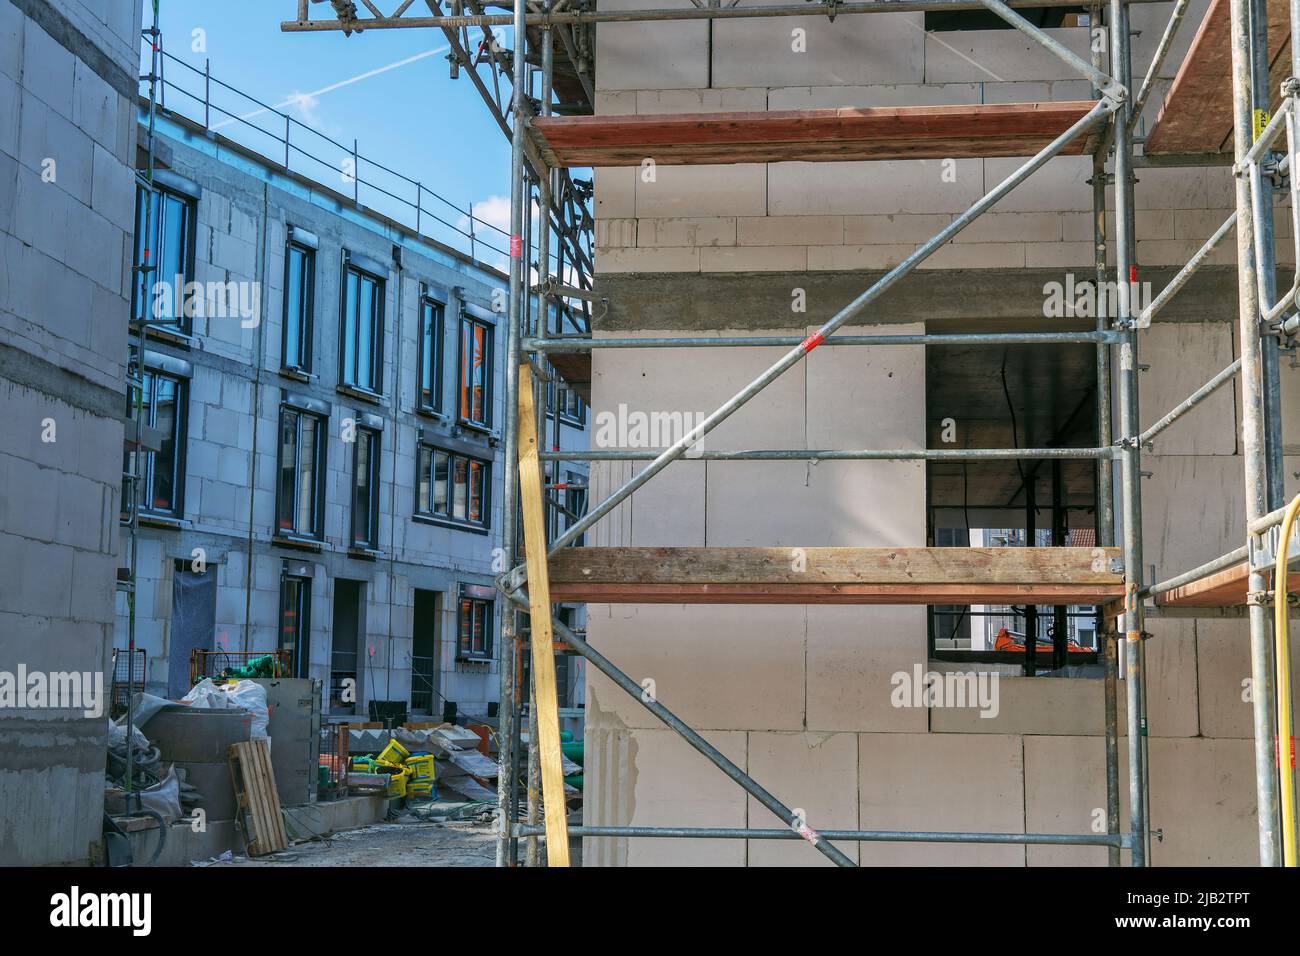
point(407, 841)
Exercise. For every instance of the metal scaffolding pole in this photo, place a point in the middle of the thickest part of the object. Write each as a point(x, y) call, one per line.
point(1254, 449)
point(1105, 513)
point(516, 307)
point(1129, 462)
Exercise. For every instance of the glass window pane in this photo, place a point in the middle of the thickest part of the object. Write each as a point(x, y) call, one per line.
point(361, 497)
point(476, 491)
point(423, 504)
point(288, 467)
point(466, 368)
point(460, 489)
point(307, 476)
point(295, 308)
point(163, 490)
point(365, 334)
point(466, 624)
point(426, 357)
point(441, 466)
point(480, 372)
point(350, 330)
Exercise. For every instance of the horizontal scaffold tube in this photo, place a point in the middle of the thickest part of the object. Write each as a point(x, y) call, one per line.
point(582, 343)
point(837, 454)
point(1221, 563)
point(567, 17)
point(849, 836)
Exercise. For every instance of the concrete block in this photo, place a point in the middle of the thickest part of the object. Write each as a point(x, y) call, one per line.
point(1182, 357)
point(48, 70)
point(754, 259)
point(887, 187)
point(1030, 705)
point(828, 504)
point(815, 773)
point(745, 670)
point(1018, 226)
point(654, 778)
point(1172, 666)
point(669, 259)
point(974, 56)
point(694, 382)
point(1059, 186)
point(1075, 256)
point(858, 50)
point(615, 192)
point(896, 230)
point(700, 101)
point(686, 232)
point(790, 231)
point(1065, 792)
point(1223, 677)
point(701, 191)
point(846, 258)
point(961, 782)
point(1203, 798)
point(198, 736)
point(619, 233)
point(1193, 510)
point(852, 655)
point(861, 396)
point(882, 94)
point(987, 255)
point(637, 56)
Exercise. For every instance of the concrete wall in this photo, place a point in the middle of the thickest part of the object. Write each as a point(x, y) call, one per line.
point(245, 210)
point(800, 696)
point(67, 138)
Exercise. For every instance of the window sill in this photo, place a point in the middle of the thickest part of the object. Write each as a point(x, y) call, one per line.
point(482, 659)
point(297, 374)
point(176, 337)
point(300, 544)
point(364, 554)
point(452, 524)
point(373, 398)
point(484, 430)
point(157, 521)
point(433, 414)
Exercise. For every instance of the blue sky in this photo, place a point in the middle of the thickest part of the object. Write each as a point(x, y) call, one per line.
point(414, 118)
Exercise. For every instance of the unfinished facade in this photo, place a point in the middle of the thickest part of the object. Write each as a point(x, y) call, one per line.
point(809, 708)
point(67, 145)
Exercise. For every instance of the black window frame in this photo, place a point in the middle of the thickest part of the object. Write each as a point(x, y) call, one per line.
point(179, 437)
point(348, 377)
point(557, 394)
point(300, 663)
point(373, 437)
point(306, 324)
point(481, 609)
point(318, 489)
point(142, 287)
point(432, 355)
point(474, 320)
point(425, 488)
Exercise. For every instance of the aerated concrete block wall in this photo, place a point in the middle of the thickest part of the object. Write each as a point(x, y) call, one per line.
point(67, 143)
point(800, 696)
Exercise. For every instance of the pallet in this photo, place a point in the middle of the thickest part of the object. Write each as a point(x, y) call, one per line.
point(256, 799)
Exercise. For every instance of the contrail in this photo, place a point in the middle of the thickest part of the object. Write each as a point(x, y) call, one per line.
point(298, 97)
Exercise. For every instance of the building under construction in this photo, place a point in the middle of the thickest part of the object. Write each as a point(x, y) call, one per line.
point(914, 275)
point(936, 358)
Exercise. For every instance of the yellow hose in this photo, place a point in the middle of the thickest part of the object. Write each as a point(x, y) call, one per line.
point(1283, 659)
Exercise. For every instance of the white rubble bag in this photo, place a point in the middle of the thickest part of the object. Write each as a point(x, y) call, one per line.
point(242, 695)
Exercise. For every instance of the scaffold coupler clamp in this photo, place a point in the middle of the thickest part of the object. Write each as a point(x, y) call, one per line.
point(1260, 598)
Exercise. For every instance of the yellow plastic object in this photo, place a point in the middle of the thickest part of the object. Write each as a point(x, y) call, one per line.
point(419, 789)
point(421, 768)
point(397, 785)
point(1282, 655)
point(394, 754)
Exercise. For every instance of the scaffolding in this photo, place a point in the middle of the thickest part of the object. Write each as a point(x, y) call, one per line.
point(544, 145)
